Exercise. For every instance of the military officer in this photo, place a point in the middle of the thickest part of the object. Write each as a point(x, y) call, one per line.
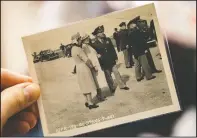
point(142, 24)
point(139, 45)
point(107, 58)
point(116, 37)
point(123, 43)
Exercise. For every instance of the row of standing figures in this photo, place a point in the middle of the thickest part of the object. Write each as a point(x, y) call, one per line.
point(90, 54)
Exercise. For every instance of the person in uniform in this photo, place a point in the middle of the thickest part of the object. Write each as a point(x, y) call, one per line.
point(142, 25)
point(84, 67)
point(68, 50)
point(62, 47)
point(123, 37)
point(107, 58)
point(91, 53)
point(136, 39)
point(116, 37)
point(34, 55)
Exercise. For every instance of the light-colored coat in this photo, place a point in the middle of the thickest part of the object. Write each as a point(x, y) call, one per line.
point(99, 76)
point(84, 74)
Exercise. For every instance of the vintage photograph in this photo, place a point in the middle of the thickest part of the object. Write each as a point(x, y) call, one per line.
point(102, 72)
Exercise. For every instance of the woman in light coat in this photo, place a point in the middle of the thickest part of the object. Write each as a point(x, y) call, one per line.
point(92, 54)
point(85, 78)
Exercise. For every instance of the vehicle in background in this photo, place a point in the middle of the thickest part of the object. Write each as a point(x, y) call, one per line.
point(47, 55)
point(36, 57)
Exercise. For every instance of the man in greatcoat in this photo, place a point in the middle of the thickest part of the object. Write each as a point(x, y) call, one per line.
point(123, 43)
point(139, 45)
point(116, 38)
point(107, 58)
point(143, 27)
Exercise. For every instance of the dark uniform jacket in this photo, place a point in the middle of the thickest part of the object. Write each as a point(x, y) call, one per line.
point(123, 38)
point(107, 51)
point(117, 39)
point(137, 41)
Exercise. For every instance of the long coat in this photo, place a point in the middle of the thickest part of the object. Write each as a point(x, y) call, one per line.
point(91, 54)
point(107, 51)
point(137, 41)
point(98, 76)
point(117, 39)
point(123, 39)
point(84, 74)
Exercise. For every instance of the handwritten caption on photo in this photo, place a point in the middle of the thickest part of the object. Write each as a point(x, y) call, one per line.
point(90, 122)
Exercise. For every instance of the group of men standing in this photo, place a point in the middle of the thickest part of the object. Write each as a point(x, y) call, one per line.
point(130, 39)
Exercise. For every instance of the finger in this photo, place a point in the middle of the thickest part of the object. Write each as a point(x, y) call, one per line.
point(9, 78)
point(16, 98)
point(29, 117)
point(11, 127)
point(34, 109)
point(14, 127)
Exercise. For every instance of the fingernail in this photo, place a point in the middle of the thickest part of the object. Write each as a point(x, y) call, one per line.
point(29, 92)
point(29, 79)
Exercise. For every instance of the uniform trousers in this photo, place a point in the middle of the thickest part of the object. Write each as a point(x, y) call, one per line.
point(117, 75)
point(130, 57)
point(126, 57)
point(141, 63)
point(150, 61)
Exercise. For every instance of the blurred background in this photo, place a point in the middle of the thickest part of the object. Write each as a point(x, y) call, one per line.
point(177, 20)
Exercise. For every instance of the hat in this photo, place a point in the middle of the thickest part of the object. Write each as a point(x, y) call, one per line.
point(97, 30)
point(122, 24)
point(134, 20)
point(83, 37)
point(75, 36)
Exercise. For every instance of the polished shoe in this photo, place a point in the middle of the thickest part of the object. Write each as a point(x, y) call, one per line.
point(140, 79)
point(152, 77)
point(91, 106)
point(86, 104)
point(157, 71)
point(125, 88)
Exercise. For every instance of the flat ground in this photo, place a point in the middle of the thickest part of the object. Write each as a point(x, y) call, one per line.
point(64, 103)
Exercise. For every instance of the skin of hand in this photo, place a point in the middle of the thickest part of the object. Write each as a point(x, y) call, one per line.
point(19, 111)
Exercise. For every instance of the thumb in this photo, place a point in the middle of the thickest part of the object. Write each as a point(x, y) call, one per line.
point(16, 98)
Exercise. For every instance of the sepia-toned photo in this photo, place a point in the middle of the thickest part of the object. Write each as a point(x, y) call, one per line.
point(102, 72)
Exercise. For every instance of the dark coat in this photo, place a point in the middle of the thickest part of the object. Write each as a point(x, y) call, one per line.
point(137, 41)
point(123, 37)
point(107, 51)
point(117, 39)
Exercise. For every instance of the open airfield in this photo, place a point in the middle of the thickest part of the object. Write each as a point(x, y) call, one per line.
point(64, 102)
